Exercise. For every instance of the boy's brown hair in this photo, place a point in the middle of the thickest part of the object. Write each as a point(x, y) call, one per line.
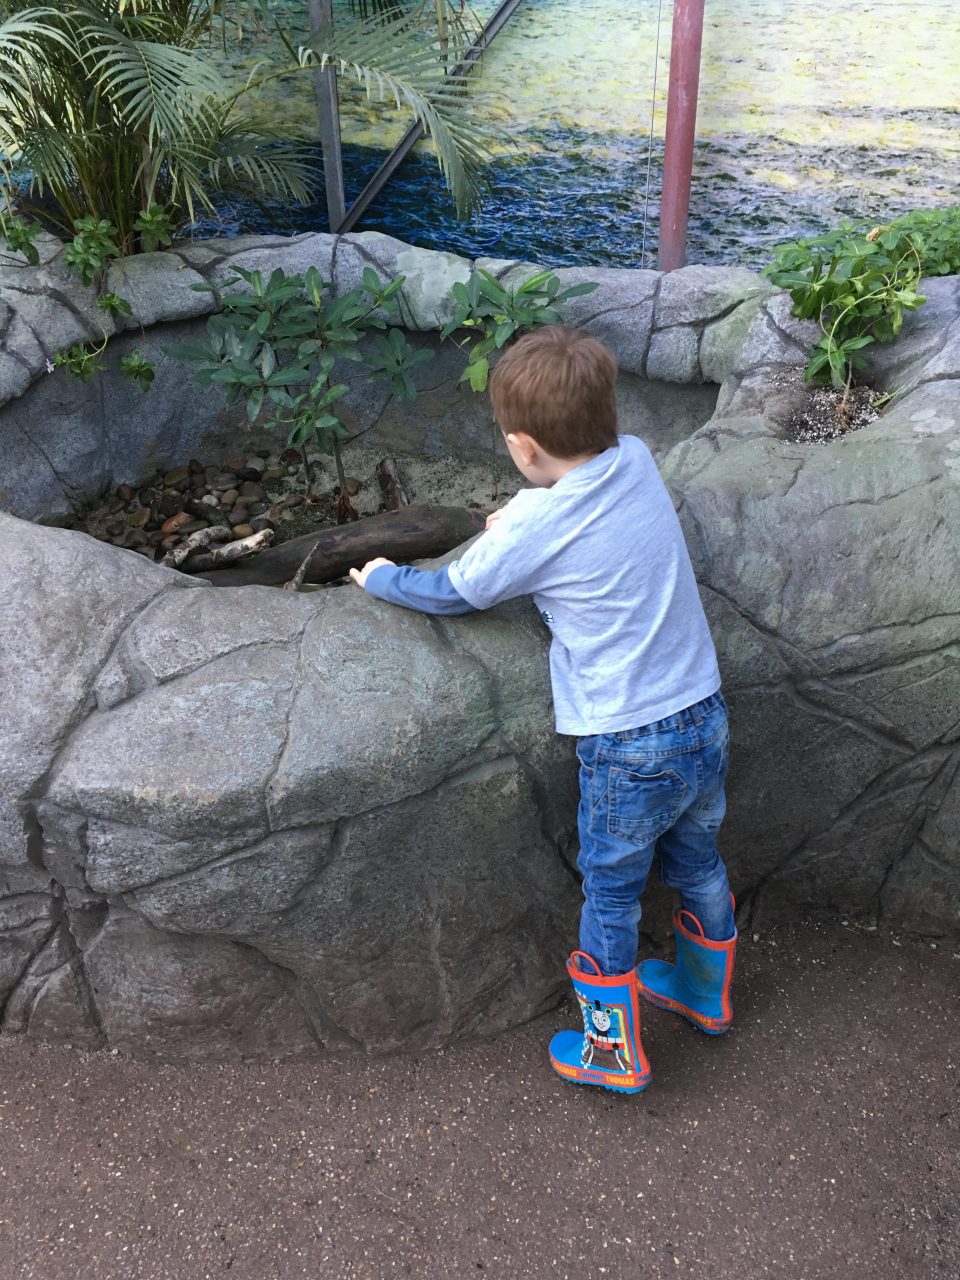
point(558, 385)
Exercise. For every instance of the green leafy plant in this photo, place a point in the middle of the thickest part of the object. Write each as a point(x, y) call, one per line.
point(116, 111)
point(858, 283)
point(93, 245)
point(19, 236)
point(138, 370)
point(276, 344)
point(936, 235)
point(492, 314)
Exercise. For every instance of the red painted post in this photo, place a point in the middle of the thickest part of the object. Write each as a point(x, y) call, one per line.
point(681, 130)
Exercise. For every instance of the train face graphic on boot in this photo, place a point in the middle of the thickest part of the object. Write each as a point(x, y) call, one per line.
point(608, 1052)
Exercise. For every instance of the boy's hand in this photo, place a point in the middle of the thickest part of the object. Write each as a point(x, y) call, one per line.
point(360, 575)
point(492, 519)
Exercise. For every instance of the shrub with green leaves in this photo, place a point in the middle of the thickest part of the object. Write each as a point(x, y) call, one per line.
point(275, 345)
point(858, 282)
point(493, 314)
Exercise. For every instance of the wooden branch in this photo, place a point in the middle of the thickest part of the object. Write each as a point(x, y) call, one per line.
point(414, 533)
point(296, 582)
point(196, 541)
point(391, 485)
point(231, 551)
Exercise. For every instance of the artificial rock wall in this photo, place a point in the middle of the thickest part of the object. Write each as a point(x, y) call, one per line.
point(239, 822)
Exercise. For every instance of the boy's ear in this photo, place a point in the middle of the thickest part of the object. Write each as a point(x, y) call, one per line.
point(526, 445)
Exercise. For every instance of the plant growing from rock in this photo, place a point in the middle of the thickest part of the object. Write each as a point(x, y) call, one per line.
point(276, 344)
point(492, 314)
point(858, 283)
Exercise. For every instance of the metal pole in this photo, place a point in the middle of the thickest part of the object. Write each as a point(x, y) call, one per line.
point(328, 110)
point(681, 131)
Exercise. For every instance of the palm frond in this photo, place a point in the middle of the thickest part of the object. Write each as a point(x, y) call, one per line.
point(395, 61)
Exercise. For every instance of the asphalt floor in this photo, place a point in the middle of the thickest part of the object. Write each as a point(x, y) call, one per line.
point(817, 1139)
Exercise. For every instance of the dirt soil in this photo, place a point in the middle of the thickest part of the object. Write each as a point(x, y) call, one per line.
point(820, 415)
point(817, 1140)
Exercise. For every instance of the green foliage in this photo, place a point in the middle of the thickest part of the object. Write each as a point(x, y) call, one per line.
point(936, 235)
point(19, 236)
point(275, 345)
point(93, 245)
point(115, 110)
point(494, 313)
point(82, 361)
point(155, 227)
point(858, 283)
point(139, 370)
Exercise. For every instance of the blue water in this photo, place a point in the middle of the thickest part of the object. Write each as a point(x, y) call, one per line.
point(799, 126)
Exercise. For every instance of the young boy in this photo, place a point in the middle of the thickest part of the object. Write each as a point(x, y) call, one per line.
point(598, 545)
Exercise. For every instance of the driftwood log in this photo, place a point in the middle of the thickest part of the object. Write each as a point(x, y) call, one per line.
point(413, 533)
point(229, 553)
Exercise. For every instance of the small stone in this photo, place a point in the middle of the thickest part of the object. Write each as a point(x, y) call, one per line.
point(155, 537)
point(249, 473)
point(209, 500)
point(259, 523)
point(292, 471)
point(137, 519)
point(169, 542)
point(195, 467)
point(255, 461)
point(242, 530)
point(178, 478)
point(135, 538)
point(192, 526)
point(352, 485)
point(257, 508)
point(168, 504)
point(273, 473)
point(239, 515)
point(175, 522)
point(223, 480)
point(250, 490)
point(261, 453)
point(229, 498)
point(124, 492)
point(235, 464)
point(146, 496)
point(291, 457)
point(115, 529)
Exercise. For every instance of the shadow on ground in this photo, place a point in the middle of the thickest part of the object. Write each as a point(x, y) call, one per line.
point(818, 1139)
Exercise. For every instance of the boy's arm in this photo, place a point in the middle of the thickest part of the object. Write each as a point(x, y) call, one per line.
point(426, 591)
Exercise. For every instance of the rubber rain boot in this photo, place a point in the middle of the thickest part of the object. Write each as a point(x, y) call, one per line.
point(698, 985)
point(608, 1051)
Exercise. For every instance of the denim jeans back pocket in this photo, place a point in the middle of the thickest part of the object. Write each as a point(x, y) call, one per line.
point(642, 806)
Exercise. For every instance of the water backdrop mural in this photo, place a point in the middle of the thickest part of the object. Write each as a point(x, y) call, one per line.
point(809, 114)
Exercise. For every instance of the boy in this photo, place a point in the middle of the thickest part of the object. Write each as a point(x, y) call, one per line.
point(634, 675)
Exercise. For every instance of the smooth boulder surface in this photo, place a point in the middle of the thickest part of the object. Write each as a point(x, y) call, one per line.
point(246, 822)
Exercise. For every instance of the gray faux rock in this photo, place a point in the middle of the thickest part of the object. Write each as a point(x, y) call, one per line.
point(247, 822)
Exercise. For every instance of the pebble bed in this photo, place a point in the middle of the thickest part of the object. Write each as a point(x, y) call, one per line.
point(263, 489)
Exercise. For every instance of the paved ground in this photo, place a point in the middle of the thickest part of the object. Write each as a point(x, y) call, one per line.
point(818, 1139)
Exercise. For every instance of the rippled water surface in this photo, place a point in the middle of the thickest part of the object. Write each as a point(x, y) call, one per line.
point(809, 113)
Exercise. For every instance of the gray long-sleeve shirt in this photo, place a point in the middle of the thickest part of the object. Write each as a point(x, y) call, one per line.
point(602, 554)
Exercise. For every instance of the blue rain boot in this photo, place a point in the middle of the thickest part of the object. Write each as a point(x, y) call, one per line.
point(698, 985)
point(608, 1051)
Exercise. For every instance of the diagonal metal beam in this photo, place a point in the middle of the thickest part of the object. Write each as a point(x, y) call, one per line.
point(413, 135)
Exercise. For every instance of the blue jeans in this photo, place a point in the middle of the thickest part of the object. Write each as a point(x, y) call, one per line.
point(656, 790)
